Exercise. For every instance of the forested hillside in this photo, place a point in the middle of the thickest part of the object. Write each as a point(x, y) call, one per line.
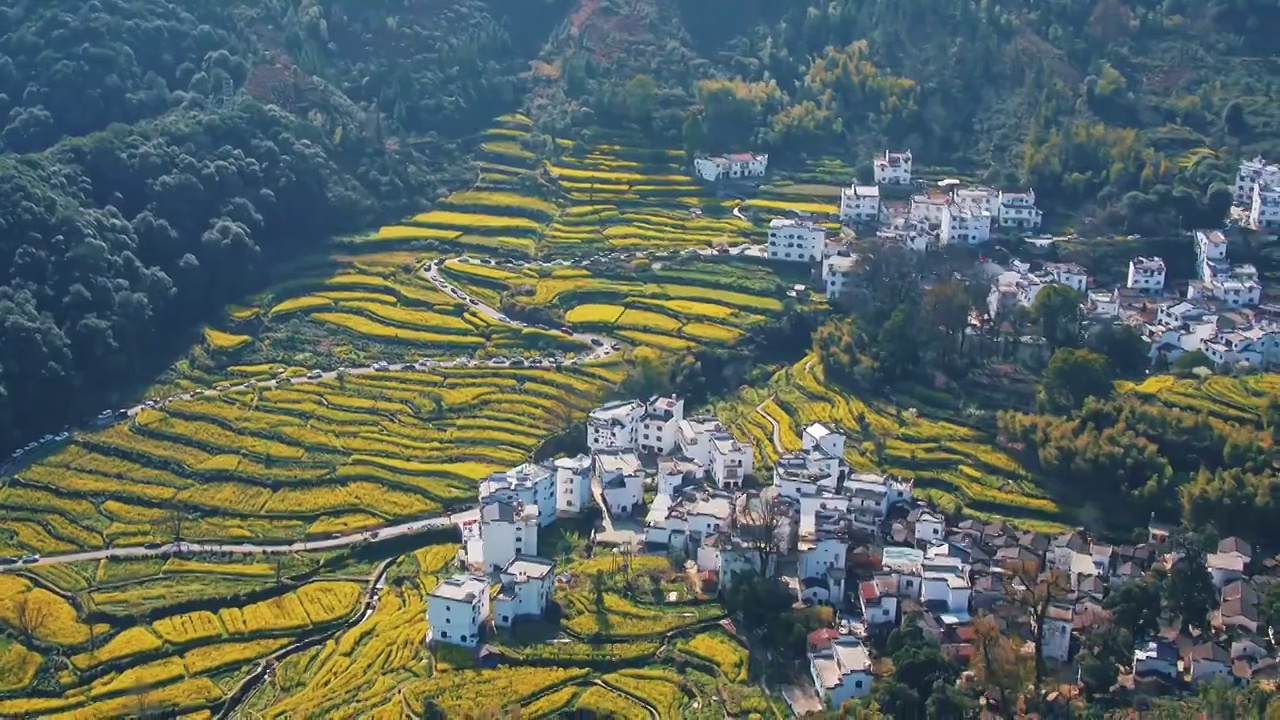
point(1130, 110)
point(160, 157)
point(152, 146)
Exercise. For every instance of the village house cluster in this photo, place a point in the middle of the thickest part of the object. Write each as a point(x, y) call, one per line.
point(634, 445)
point(858, 542)
point(946, 213)
point(1221, 313)
point(1257, 194)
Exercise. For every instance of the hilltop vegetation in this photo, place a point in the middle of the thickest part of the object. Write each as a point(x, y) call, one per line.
point(1130, 111)
point(159, 153)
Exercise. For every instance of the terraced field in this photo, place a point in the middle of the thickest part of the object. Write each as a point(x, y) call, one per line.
point(671, 306)
point(954, 464)
point(382, 667)
point(281, 457)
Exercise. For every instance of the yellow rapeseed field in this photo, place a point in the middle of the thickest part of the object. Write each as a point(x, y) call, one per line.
point(218, 340)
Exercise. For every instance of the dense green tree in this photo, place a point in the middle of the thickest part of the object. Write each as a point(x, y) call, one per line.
point(1072, 376)
point(1189, 592)
point(1124, 347)
point(1135, 607)
point(1057, 310)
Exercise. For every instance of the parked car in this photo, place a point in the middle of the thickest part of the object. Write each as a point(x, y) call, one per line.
point(223, 387)
point(566, 331)
point(315, 375)
point(7, 560)
point(250, 383)
point(28, 559)
point(153, 545)
point(105, 415)
point(518, 362)
point(122, 413)
point(597, 341)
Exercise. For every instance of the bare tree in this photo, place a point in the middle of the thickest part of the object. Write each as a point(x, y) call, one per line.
point(761, 521)
point(171, 524)
point(1036, 593)
point(30, 615)
point(89, 607)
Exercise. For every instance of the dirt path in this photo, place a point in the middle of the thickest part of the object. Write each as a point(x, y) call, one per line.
point(777, 432)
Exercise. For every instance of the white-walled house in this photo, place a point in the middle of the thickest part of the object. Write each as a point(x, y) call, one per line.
point(695, 435)
point(527, 582)
point(878, 599)
point(983, 200)
point(1251, 174)
point(930, 208)
point(795, 240)
point(1073, 275)
point(457, 609)
point(1211, 246)
point(727, 556)
point(841, 671)
point(1257, 345)
point(659, 428)
point(1146, 274)
point(826, 437)
point(929, 525)
point(1055, 636)
point(1018, 210)
point(674, 473)
point(573, 483)
point(507, 529)
point(731, 461)
point(965, 224)
point(526, 588)
point(1232, 285)
point(954, 590)
point(1264, 208)
point(860, 204)
point(614, 425)
point(837, 271)
point(892, 169)
point(822, 554)
point(530, 484)
point(651, 427)
point(621, 479)
point(734, 166)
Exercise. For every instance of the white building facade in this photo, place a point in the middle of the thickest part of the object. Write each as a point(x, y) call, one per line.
point(795, 240)
point(527, 582)
point(1251, 174)
point(457, 609)
point(965, 224)
point(1146, 274)
point(507, 529)
point(893, 169)
point(1018, 210)
point(860, 204)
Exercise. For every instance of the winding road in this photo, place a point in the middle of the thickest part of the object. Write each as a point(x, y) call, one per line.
point(600, 347)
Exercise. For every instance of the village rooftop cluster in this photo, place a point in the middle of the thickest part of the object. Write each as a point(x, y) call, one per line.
point(859, 542)
point(1220, 311)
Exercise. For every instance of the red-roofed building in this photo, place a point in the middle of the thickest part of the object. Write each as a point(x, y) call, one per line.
point(879, 603)
point(822, 638)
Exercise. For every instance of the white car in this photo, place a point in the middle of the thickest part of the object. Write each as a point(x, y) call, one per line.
point(315, 375)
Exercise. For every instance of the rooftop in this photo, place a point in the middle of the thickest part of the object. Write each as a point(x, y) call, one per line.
point(530, 566)
point(624, 462)
point(462, 588)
